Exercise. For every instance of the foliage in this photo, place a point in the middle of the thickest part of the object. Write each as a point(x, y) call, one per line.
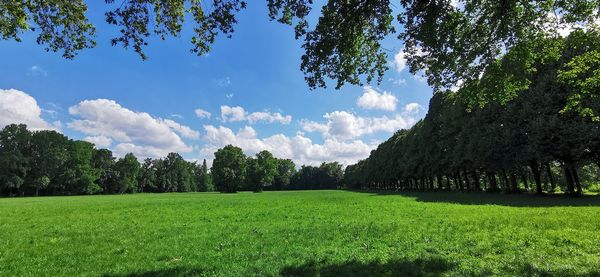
point(229, 169)
point(508, 144)
point(451, 42)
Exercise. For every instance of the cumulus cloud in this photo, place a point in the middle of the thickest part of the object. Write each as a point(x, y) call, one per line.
point(400, 60)
point(99, 141)
point(343, 125)
point(237, 114)
point(136, 132)
point(200, 113)
point(298, 148)
point(371, 99)
point(20, 108)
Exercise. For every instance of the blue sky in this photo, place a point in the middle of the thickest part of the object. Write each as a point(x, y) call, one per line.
point(109, 96)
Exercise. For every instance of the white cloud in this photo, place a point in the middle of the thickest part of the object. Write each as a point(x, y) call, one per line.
point(200, 113)
point(400, 60)
point(36, 71)
point(342, 125)
point(237, 114)
point(412, 108)
point(175, 115)
point(398, 82)
point(183, 130)
point(229, 95)
point(19, 107)
point(298, 148)
point(371, 99)
point(136, 132)
point(99, 141)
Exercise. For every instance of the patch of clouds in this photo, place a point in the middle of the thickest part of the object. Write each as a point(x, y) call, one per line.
point(200, 113)
point(223, 82)
point(37, 71)
point(238, 114)
point(298, 148)
point(175, 115)
point(135, 132)
point(99, 141)
point(229, 95)
point(343, 125)
point(19, 107)
point(398, 82)
point(373, 100)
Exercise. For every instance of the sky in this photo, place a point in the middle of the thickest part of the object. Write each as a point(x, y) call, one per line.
point(248, 91)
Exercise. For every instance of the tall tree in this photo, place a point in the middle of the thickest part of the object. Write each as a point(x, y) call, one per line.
point(229, 169)
point(127, 169)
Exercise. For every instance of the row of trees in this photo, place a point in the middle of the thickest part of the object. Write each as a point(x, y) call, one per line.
point(48, 163)
point(522, 131)
point(233, 171)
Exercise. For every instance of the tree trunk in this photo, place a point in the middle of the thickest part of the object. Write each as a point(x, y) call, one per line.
point(573, 169)
point(467, 184)
point(505, 180)
point(550, 177)
point(439, 182)
point(459, 180)
point(535, 169)
point(513, 182)
point(476, 180)
point(569, 179)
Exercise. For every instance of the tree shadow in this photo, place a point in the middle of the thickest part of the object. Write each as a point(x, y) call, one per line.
point(418, 267)
point(501, 199)
point(167, 272)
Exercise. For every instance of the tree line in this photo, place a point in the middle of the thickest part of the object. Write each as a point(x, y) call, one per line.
point(520, 134)
point(46, 162)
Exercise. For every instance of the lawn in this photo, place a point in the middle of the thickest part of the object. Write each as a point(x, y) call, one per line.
point(302, 233)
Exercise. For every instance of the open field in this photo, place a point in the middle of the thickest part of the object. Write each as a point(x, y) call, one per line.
point(331, 233)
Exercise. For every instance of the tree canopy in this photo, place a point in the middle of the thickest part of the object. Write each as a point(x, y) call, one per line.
point(451, 42)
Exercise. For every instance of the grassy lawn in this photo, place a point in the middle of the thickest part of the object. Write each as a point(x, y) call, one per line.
point(327, 233)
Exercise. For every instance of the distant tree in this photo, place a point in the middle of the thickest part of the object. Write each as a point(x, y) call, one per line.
point(40, 184)
point(203, 177)
point(127, 169)
point(104, 162)
point(78, 174)
point(285, 171)
point(147, 177)
point(261, 170)
point(49, 153)
point(14, 158)
point(229, 169)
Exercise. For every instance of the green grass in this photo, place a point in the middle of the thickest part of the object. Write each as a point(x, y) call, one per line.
point(327, 233)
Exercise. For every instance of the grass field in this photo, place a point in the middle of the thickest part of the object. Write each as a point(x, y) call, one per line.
point(304, 233)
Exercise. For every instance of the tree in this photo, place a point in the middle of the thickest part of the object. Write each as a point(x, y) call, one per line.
point(261, 170)
point(14, 158)
point(285, 171)
point(229, 168)
point(49, 154)
point(147, 176)
point(204, 178)
point(104, 162)
point(78, 174)
point(127, 169)
point(451, 41)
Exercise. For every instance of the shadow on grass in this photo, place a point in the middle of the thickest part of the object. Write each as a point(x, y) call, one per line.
point(167, 272)
point(513, 200)
point(418, 267)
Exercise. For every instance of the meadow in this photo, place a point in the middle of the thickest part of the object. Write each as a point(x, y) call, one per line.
point(300, 233)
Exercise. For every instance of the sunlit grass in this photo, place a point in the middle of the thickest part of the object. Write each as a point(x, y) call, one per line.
point(335, 233)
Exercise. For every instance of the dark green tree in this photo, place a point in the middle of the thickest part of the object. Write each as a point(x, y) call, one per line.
point(229, 169)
